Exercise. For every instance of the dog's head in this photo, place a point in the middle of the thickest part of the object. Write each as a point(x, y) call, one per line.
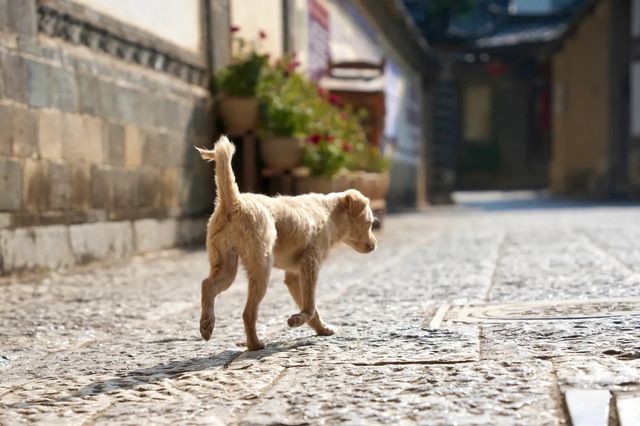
point(359, 235)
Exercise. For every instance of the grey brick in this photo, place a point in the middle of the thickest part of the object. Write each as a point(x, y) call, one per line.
point(38, 83)
point(60, 186)
point(64, 90)
point(25, 132)
point(156, 149)
point(10, 184)
point(4, 12)
point(125, 189)
point(21, 17)
point(107, 106)
point(148, 195)
point(101, 187)
point(80, 186)
point(114, 144)
point(50, 134)
point(36, 184)
point(125, 105)
point(100, 241)
point(15, 77)
point(88, 93)
point(6, 129)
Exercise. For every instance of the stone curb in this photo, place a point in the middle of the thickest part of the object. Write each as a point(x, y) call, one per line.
point(44, 248)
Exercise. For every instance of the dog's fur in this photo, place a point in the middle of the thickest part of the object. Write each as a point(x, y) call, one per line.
point(290, 233)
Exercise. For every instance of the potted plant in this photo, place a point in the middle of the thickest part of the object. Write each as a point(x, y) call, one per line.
point(324, 158)
point(371, 173)
point(237, 83)
point(281, 92)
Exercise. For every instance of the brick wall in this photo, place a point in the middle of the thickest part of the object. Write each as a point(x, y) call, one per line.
point(93, 147)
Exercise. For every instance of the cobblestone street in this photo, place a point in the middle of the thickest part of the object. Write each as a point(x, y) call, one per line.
point(420, 340)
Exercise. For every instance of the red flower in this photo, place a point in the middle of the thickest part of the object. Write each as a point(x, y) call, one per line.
point(347, 147)
point(291, 66)
point(234, 29)
point(315, 139)
point(329, 138)
point(262, 34)
point(335, 99)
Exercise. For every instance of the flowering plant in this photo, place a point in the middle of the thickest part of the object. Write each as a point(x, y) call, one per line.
point(323, 156)
point(241, 77)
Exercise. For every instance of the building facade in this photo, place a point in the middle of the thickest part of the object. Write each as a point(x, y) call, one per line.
point(594, 117)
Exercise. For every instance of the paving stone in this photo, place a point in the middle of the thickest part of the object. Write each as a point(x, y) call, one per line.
point(396, 394)
point(628, 410)
point(117, 344)
point(588, 407)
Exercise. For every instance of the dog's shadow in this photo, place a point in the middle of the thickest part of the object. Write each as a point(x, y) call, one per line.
point(175, 369)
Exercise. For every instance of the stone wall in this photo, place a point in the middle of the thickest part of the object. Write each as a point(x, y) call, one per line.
point(96, 157)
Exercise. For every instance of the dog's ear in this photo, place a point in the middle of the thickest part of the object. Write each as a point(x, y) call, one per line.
point(355, 202)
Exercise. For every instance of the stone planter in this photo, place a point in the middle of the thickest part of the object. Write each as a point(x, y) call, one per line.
point(316, 184)
point(281, 152)
point(372, 185)
point(239, 115)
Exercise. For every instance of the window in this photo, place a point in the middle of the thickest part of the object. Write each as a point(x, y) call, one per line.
point(477, 113)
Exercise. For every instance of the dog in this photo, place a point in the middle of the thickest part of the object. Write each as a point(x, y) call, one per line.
point(293, 233)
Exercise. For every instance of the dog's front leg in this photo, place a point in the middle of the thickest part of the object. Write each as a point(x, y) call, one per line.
point(223, 272)
point(293, 284)
point(308, 277)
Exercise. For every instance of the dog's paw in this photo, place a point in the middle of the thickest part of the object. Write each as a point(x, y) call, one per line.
point(206, 328)
point(297, 320)
point(255, 346)
point(325, 330)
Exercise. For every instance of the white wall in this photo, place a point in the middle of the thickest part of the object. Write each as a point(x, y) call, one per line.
point(253, 16)
point(178, 22)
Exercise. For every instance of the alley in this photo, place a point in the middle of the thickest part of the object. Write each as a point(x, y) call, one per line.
point(119, 343)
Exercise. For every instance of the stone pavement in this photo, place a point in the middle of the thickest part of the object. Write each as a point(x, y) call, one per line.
point(417, 343)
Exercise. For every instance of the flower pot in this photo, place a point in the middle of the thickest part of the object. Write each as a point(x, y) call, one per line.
point(281, 152)
point(372, 185)
point(239, 114)
point(342, 182)
point(316, 184)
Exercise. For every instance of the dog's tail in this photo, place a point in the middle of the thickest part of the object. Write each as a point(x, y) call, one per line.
point(226, 186)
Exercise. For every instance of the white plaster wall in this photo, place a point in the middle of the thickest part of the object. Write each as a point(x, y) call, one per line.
point(177, 21)
point(253, 16)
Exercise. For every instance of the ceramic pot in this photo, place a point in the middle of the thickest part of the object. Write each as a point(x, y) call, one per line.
point(239, 115)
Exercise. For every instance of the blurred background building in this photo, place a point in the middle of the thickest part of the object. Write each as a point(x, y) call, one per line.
point(101, 102)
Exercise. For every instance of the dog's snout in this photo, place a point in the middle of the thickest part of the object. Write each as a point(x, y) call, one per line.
point(371, 246)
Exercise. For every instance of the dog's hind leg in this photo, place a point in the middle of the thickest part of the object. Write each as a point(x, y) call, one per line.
point(223, 271)
point(258, 271)
point(293, 284)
